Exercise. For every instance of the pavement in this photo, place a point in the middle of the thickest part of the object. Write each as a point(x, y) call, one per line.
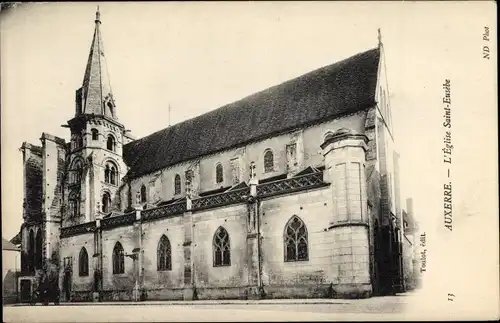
point(375, 308)
point(206, 302)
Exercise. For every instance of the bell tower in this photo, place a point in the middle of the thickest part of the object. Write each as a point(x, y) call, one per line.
point(95, 164)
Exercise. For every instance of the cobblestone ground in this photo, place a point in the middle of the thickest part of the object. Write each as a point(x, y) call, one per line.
point(376, 308)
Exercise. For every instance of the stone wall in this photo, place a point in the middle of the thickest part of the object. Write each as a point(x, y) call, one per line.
point(161, 183)
point(220, 282)
point(340, 219)
point(338, 258)
point(33, 182)
point(71, 247)
point(303, 278)
point(121, 285)
point(163, 284)
point(54, 168)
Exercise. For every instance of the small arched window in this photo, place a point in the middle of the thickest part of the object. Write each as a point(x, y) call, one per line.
point(144, 196)
point(38, 249)
point(95, 134)
point(111, 143)
point(219, 173)
point(177, 184)
point(164, 254)
point(222, 248)
point(118, 259)
point(296, 240)
point(111, 173)
point(106, 202)
point(83, 263)
point(268, 161)
point(73, 205)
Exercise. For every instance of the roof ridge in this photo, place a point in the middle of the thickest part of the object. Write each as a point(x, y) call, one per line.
point(228, 105)
point(331, 91)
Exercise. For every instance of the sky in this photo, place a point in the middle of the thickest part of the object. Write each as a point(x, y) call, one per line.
point(197, 57)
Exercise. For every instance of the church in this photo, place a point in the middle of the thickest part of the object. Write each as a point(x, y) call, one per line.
point(291, 192)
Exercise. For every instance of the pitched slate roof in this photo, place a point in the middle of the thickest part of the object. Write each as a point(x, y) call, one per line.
point(7, 245)
point(17, 239)
point(329, 92)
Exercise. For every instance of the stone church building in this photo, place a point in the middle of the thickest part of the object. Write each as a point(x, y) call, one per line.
point(290, 192)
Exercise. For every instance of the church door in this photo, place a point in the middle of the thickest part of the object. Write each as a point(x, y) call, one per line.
point(25, 290)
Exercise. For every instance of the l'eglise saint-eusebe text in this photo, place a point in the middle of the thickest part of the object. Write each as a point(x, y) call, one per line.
point(447, 121)
point(447, 151)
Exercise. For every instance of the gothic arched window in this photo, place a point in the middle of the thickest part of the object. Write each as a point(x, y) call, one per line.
point(76, 172)
point(31, 251)
point(111, 173)
point(164, 254)
point(177, 184)
point(118, 259)
point(144, 196)
point(73, 205)
point(222, 248)
point(106, 202)
point(268, 161)
point(78, 141)
point(219, 173)
point(83, 263)
point(295, 238)
point(38, 250)
point(111, 143)
point(95, 134)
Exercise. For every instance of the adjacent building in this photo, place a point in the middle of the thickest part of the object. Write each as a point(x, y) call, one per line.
point(11, 264)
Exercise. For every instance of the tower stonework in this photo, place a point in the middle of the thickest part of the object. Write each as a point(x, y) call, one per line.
point(344, 153)
point(96, 166)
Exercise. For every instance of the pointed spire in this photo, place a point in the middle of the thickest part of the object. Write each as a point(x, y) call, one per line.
point(379, 38)
point(97, 16)
point(96, 95)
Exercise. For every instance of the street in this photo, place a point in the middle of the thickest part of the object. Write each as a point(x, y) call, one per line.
point(376, 308)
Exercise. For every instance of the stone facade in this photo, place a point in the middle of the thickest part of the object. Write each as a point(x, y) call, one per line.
point(320, 218)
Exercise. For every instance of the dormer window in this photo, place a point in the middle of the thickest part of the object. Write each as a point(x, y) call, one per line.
point(111, 143)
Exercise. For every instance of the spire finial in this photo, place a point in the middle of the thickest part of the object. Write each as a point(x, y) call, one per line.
point(379, 38)
point(97, 15)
